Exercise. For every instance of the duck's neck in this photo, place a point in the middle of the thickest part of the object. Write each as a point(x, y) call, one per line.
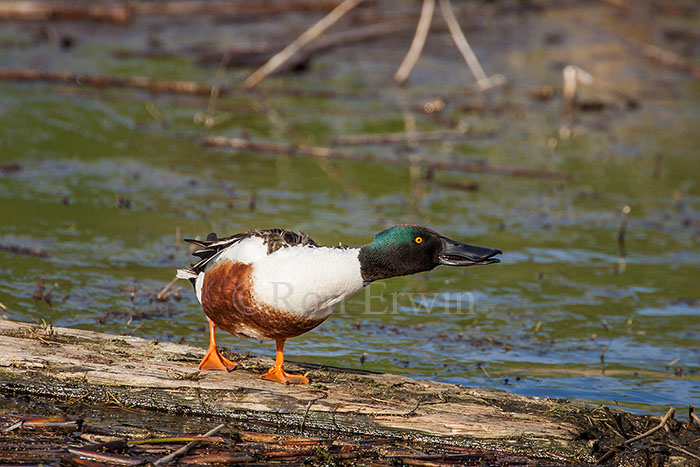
point(378, 262)
point(383, 261)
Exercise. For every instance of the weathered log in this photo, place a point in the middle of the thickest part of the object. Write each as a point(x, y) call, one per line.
point(131, 372)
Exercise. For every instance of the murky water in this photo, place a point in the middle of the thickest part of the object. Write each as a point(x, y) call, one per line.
point(108, 182)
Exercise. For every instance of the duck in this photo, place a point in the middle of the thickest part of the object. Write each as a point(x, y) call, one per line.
point(276, 284)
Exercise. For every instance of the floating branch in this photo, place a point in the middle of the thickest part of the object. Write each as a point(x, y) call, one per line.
point(190, 7)
point(659, 55)
point(654, 52)
point(25, 251)
point(395, 138)
point(307, 36)
point(100, 81)
point(48, 10)
point(330, 154)
point(123, 12)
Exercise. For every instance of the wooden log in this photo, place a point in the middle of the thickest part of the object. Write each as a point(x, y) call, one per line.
point(130, 372)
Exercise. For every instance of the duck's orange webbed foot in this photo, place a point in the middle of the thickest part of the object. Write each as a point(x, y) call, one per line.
point(213, 360)
point(277, 372)
point(281, 376)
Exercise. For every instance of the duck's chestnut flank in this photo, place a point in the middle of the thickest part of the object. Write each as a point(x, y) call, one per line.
point(228, 301)
point(276, 284)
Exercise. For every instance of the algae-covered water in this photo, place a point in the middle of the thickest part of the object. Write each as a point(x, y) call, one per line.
point(98, 188)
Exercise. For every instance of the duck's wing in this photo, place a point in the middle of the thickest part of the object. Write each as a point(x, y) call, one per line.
point(213, 246)
point(280, 238)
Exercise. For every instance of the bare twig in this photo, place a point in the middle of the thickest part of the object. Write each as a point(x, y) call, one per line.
point(256, 55)
point(668, 58)
point(618, 3)
point(105, 457)
point(395, 138)
point(13, 427)
point(181, 439)
point(696, 418)
point(123, 12)
point(664, 57)
point(162, 294)
point(680, 448)
point(191, 7)
point(413, 410)
point(570, 83)
point(623, 230)
point(33, 422)
point(308, 407)
point(611, 452)
point(209, 119)
point(330, 154)
point(307, 36)
point(44, 10)
point(622, 260)
point(409, 61)
point(100, 81)
point(461, 42)
point(463, 186)
point(654, 52)
point(573, 75)
point(25, 251)
point(183, 450)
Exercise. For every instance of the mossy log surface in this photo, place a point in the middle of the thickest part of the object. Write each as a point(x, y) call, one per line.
point(85, 366)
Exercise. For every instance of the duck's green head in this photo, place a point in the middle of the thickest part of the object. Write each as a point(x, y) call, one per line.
point(408, 249)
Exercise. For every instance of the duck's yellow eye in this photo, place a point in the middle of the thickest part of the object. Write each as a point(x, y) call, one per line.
point(418, 240)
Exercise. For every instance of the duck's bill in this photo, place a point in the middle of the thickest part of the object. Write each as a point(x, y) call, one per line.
point(460, 254)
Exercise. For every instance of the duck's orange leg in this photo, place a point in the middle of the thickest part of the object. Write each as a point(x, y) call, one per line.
point(277, 372)
point(213, 360)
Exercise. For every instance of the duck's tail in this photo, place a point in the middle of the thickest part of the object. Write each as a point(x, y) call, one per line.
point(186, 273)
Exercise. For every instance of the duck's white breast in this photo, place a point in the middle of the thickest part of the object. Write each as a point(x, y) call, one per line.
point(307, 281)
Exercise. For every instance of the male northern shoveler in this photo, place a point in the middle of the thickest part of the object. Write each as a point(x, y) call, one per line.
point(276, 284)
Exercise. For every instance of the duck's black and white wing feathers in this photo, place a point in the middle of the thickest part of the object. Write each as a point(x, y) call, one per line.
point(213, 246)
